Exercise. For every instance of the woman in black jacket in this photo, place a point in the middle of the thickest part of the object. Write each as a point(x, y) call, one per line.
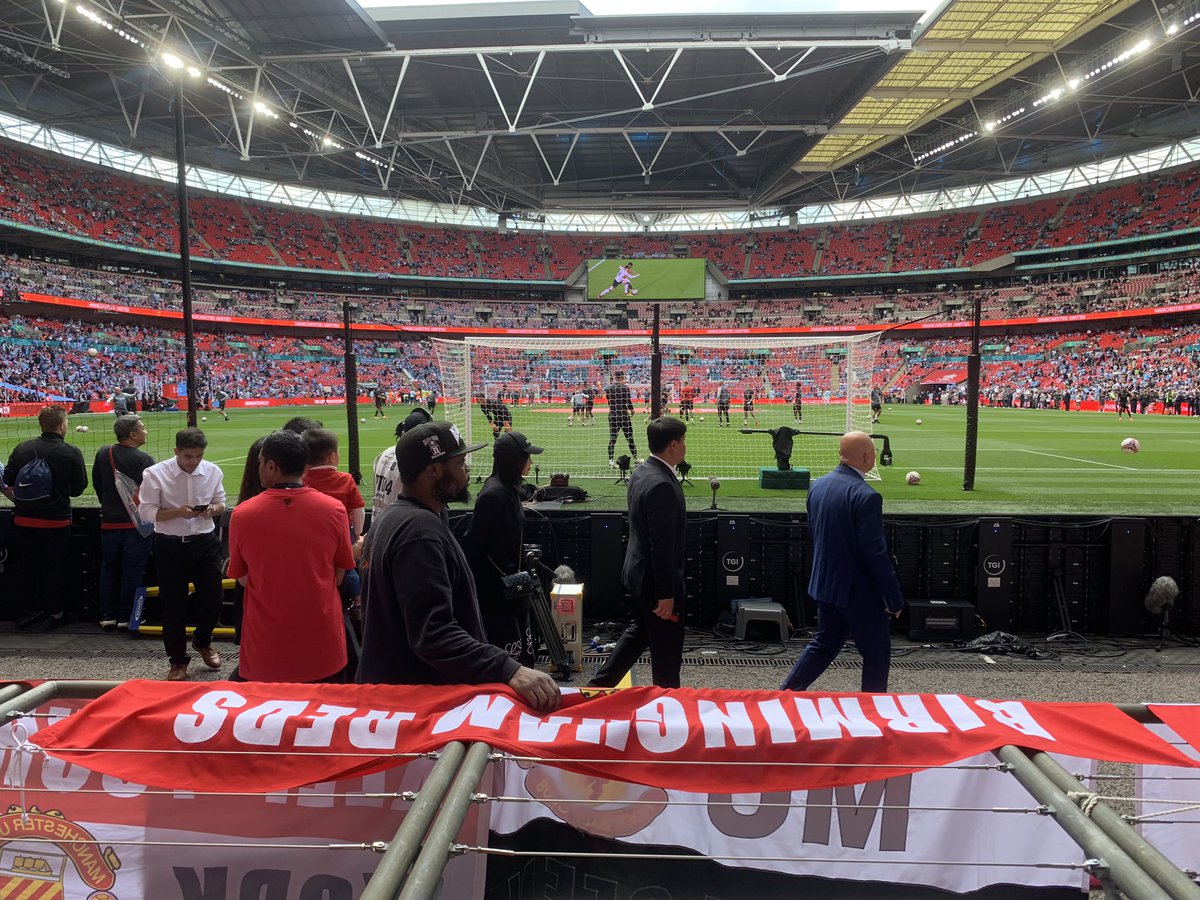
point(493, 546)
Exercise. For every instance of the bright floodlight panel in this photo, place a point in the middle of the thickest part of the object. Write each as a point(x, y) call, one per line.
point(657, 279)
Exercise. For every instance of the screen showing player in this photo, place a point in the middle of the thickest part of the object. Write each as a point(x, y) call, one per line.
point(645, 279)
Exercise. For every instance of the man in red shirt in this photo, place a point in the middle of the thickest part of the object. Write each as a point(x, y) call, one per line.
point(687, 402)
point(323, 475)
point(290, 547)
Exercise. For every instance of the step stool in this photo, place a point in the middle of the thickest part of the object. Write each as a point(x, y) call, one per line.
point(761, 611)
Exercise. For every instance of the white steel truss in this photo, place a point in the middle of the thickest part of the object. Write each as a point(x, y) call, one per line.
point(1146, 162)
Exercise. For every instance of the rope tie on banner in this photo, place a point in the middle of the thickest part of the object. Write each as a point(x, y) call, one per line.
point(1085, 800)
point(22, 744)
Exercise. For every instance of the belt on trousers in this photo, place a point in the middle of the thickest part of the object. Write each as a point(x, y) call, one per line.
point(186, 538)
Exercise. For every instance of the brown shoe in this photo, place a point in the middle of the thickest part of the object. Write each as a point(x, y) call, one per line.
point(211, 657)
point(178, 673)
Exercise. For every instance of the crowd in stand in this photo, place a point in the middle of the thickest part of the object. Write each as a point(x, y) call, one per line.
point(83, 200)
point(1049, 299)
point(1057, 369)
point(43, 357)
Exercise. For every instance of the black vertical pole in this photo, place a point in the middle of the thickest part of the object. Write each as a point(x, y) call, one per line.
point(185, 259)
point(972, 441)
point(655, 369)
point(355, 462)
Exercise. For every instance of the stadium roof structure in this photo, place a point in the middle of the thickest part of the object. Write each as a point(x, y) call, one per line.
point(532, 107)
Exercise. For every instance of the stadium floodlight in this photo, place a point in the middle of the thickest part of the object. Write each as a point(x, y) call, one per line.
point(222, 86)
point(263, 109)
point(172, 60)
point(1172, 30)
point(194, 72)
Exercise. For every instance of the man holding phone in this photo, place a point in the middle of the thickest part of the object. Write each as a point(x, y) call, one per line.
point(183, 496)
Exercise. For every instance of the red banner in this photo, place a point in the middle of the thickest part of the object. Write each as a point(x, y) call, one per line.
point(268, 737)
point(1183, 720)
point(945, 376)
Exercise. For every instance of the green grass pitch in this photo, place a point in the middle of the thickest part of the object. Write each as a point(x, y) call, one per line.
point(1030, 461)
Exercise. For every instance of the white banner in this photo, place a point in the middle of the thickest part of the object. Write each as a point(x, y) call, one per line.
point(1162, 792)
point(67, 832)
point(951, 828)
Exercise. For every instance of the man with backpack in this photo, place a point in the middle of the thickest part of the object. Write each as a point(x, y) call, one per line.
point(125, 540)
point(44, 474)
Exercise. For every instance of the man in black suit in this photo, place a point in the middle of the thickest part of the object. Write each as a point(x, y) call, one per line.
point(853, 579)
point(653, 569)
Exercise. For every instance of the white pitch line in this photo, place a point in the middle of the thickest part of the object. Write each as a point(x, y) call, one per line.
point(1091, 462)
point(1056, 473)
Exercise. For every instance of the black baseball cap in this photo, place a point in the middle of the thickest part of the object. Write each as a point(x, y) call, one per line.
point(429, 443)
point(418, 416)
point(515, 442)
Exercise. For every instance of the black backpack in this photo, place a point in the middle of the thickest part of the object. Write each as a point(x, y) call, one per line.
point(566, 493)
point(35, 479)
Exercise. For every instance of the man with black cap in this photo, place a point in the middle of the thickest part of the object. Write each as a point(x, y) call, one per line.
point(387, 479)
point(422, 622)
point(493, 544)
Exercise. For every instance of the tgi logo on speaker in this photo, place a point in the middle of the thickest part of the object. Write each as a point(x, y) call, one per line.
point(733, 562)
point(993, 568)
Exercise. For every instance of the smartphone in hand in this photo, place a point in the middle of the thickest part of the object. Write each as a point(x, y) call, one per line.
point(201, 508)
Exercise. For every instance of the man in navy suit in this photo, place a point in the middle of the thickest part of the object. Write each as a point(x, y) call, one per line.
point(653, 569)
point(853, 579)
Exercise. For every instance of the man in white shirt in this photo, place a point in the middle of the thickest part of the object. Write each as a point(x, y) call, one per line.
point(183, 496)
point(387, 477)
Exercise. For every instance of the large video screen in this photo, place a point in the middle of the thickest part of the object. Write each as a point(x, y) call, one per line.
point(646, 279)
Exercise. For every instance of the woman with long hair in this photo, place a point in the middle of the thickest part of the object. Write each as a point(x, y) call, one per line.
point(493, 545)
point(250, 487)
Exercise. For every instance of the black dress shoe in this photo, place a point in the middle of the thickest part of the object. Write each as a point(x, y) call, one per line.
point(28, 621)
point(52, 623)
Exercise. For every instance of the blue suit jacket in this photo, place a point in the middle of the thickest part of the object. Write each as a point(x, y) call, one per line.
point(852, 568)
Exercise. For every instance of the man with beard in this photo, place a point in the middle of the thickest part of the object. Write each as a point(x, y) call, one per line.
point(422, 620)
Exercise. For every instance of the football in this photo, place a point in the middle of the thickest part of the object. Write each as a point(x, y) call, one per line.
point(364, 421)
point(92, 351)
point(633, 291)
point(204, 418)
point(913, 478)
point(1131, 445)
point(82, 429)
point(702, 418)
point(918, 421)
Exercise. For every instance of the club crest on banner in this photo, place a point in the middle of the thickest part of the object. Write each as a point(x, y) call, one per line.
point(44, 856)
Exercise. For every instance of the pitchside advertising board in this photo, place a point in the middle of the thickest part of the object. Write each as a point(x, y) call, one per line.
point(646, 279)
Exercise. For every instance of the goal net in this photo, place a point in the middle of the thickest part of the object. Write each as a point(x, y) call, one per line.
point(557, 391)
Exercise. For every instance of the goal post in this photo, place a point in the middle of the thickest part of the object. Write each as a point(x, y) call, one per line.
point(555, 390)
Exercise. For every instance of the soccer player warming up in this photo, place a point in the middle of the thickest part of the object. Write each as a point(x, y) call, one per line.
point(620, 415)
point(624, 279)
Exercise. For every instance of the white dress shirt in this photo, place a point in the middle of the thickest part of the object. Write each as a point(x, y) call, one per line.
point(166, 486)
